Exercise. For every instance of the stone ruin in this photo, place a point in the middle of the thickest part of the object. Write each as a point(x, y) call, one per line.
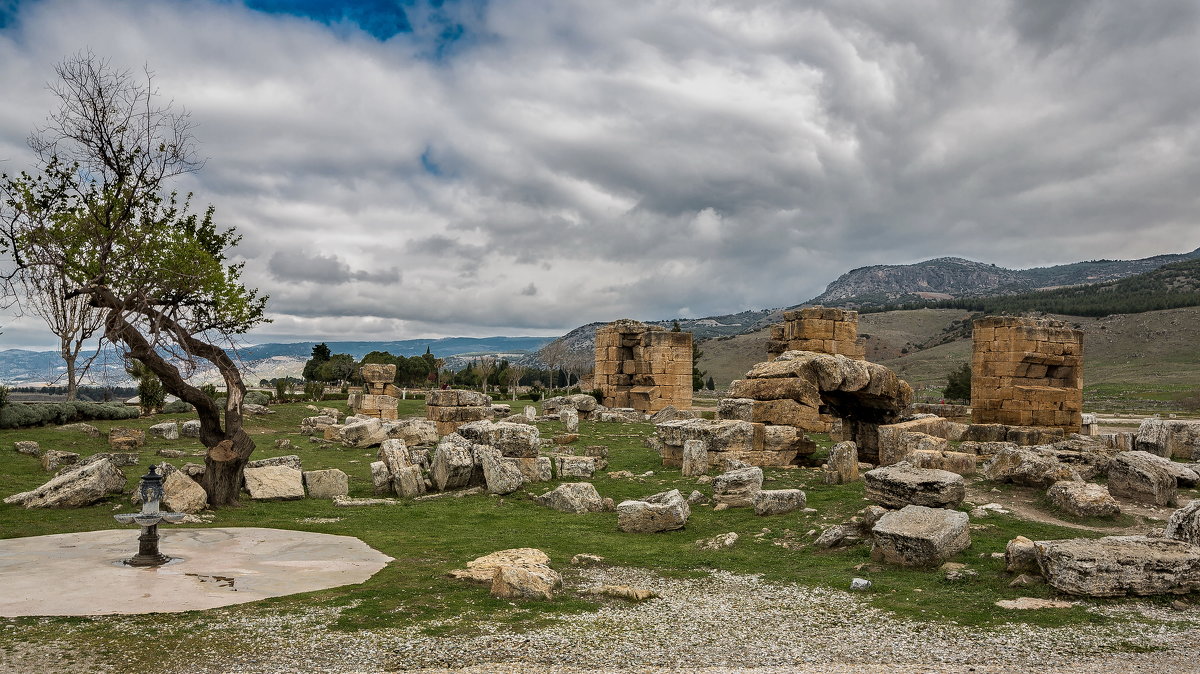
point(644, 367)
point(1027, 372)
point(780, 400)
point(452, 408)
point(820, 330)
point(379, 399)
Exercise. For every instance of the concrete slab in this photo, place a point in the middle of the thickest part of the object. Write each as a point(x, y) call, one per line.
point(81, 574)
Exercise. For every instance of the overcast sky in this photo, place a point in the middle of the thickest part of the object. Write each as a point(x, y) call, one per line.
point(522, 167)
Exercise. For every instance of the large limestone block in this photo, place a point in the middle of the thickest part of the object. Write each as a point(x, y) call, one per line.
point(738, 487)
point(842, 466)
point(920, 537)
point(900, 485)
point(695, 458)
point(329, 483)
point(894, 446)
point(1184, 475)
point(394, 454)
point(167, 430)
point(539, 469)
point(1083, 499)
point(414, 432)
point(778, 501)
point(362, 432)
point(453, 463)
point(500, 476)
point(790, 388)
point(87, 429)
point(190, 429)
point(377, 373)
point(1115, 566)
point(381, 478)
point(1170, 438)
point(1028, 467)
point(182, 494)
point(525, 582)
point(74, 489)
point(126, 439)
point(955, 462)
point(483, 569)
point(274, 483)
point(53, 459)
point(316, 425)
point(457, 398)
point(570, 419)
point(30, 447)
point(290, 460)
point(512, 440)
point(1138, 477)
point(573, 497)
point(1184, 524)
point(408, 482)
point(722, 435)
point(665, 511)
point(567, 465)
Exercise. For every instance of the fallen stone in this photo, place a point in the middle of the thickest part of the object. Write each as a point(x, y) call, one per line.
point(52, 459)
point(842, 465)
point(665, 511)
point(836, 536)
point(347, 502)
point(567, 465)
point(168, 431)
point(171, 453)
point(119, 459)
point(74, 489)
point(414, 432)
point(778, 501)
point(585, 559)
point(126, 439)
point(289, 460)
point(381, 478)
point(407, 482)
point(525, 582)
point(317, 424)
point(1184, 524)
point(1115, 566)
point(500, 476)
point(695, 458)
point(190, 429)
point(566, 438)
point(1032, 603)
point(27, 447)
point(1138, 476)
point(87, 429)
point(483, 569)
point(572, 497)
point(274, 483)
point(1028, 467)
point(182, 494)
point(1020, 556)
point(453, 463)
point(1083, 499)
point(622, 592)
point(329, 483)
point(1170, 438)
point(917, 536)
point(900, 485)
point(718, 542)
point(738, 487)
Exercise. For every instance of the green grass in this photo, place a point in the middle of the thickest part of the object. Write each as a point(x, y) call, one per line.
point(428, 539)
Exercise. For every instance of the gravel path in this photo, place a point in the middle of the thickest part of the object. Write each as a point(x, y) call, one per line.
point(722, 623)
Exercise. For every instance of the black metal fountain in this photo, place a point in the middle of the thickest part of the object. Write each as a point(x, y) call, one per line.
point(152, 493)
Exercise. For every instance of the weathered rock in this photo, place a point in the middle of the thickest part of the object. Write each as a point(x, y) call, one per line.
point(540, 469)
point(274, 483)
point(661, 512)
point(328, 483)
point(317, 424)
point(408, 482)
point(1139, 477)
point(52, 459)
point(962, 463)
point(362, 432)
point(1028, 467)
point(778, 501)
point(842, 466)
point(695, 458)
point(381, 478)
point(1170, 438)
point(570, 419)
point(87, 429)
point(74, 489)
point(718, 542)
point(900, 484)
point(525, 582)
point(126, 439)
point(897, 441)
point(1184, 475)
point(500, 476)
point(512, 440)
point(573, 497)
point(168, 430)
point(838, 535)
point(190, 429)
point(193, 470)
point(1115, 566)
point(290, 460)
point(918, 536)
point(27, 447)
point(1184, 524)
point(182, 494)
point(414, 432)
point(1083, 499)
point(566, 465)
point(599, 454)
point(1020, 556)
point(453, 463)
point(483, 569)
point(394, 454)
point(171, 453)
point(738, 487)
point(118, 458)
point(255, 410)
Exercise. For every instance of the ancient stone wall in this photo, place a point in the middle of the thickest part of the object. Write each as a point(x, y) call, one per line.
point(452, 408)
point(379, 397)
point(819, 330)
point(1027, 372)
point(643, 366)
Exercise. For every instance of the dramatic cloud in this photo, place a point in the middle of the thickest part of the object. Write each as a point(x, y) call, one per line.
point(526, 167)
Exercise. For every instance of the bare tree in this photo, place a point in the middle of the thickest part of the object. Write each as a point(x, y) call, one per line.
point(512, 377)
point(98, 212)
point(71, 319)
point(485, 366)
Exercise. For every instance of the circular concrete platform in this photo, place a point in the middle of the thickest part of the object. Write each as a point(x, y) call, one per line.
point(81, 573)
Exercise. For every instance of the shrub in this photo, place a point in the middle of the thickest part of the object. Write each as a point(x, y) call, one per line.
point(532, 396)
point(177, 407)
point(22, 415)
point(257, 398)
point(598, 395)
point(281, 386)
point(3, 396)
point(958, 383)
point(150, 393)
point(314, 390)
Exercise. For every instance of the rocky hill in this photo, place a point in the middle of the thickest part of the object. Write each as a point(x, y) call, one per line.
point(946, 278)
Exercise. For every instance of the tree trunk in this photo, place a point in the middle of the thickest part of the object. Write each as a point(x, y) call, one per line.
point(229, 447)
point(72, 385)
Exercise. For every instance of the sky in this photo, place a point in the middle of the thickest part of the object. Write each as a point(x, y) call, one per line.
point(425, 169)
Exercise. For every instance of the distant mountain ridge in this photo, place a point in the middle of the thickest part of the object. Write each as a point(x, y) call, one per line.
point(954, 277)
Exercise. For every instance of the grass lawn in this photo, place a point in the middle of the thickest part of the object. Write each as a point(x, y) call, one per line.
point(429, 538)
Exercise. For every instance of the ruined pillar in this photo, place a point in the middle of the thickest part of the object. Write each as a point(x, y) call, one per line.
point(379, 399)
point(820, 330)
point(643, 366)
point(1027, 372)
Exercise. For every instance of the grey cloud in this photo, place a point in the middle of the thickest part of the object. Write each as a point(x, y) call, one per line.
point(318, 268)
